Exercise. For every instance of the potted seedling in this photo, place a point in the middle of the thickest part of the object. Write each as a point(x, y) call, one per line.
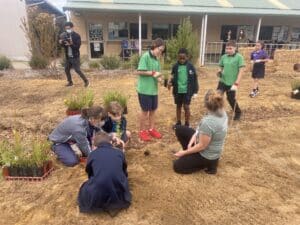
point(40, 157)
point(118, 97)
point(295, 84)
point(78, 101)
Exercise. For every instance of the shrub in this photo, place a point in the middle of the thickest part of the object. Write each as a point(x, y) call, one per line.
point(295, 84)
point(38, 62)
point(115, 96)
point(134, 61)
point(94, 65)
point(5, 63)
point(110, 62)
point(83, 99)
point(185, 38)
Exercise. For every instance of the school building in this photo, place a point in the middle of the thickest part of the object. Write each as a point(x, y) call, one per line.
point(110, 27)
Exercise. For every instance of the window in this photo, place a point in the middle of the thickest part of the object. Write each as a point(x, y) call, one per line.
point(295, 35)
point(117, 31)
point(266, 33)
point(96, 40)
point(134, 31)
point(164, 31)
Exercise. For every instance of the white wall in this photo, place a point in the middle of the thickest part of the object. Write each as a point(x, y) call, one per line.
point(13, 42)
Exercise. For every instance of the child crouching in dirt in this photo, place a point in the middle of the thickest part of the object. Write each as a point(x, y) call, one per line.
point(185, 86)
point(107, 186)
point(116, 124)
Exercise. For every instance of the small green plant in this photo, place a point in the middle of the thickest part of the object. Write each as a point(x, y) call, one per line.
point(40, 152)
point(134, 61)
point(5, 63)
point(295, 84)
point(94, 65)
point(38, 62)
point(82, 99)
point(110, 62)
point(115, 96)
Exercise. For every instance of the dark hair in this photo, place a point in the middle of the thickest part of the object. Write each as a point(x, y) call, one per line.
point(114, 107)
point(183, 51)
point(297, 67)
point(95, 112)
point(231, 43)
point(262, 44)
point(101, 137)
point(214, 101)
point(157, 43)
point(69, 24)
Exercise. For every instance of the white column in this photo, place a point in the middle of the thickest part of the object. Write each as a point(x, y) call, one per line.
point(204, 40)
point(258, 29)
point(201, 41)
point(140, 34)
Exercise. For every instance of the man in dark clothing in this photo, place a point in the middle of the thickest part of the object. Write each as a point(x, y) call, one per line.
point(71, 42)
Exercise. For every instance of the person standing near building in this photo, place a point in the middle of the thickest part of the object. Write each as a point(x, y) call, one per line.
point(230, 73)
point(71, 42)
point(227, 37)
point(147, 87)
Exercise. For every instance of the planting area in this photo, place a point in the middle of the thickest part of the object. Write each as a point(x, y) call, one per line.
point(258, 181)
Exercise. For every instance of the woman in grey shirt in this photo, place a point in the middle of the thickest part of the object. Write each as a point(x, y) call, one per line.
point(202, 147)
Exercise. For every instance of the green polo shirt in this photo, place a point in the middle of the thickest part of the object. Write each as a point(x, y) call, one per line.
point(147, 85)
point(231, 65)
point(182, 79)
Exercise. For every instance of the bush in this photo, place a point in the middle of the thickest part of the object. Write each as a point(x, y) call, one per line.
point(38, 62)
point(94, 65)
point(5, 63)
point(115, 96)
point(80, 100)
point(134, 61)
point(110, 62)
point(185, 38)
point(295, 84)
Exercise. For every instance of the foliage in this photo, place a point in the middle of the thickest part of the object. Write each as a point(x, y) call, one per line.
point(42, 34)
point(134, 61)
point(5, 63)
point(110, 62)
point(185, 38)
point(82, 99)
point(295, 84)
point(115, 96)
point(38, 62)
point(94, 65)
point(20, 153)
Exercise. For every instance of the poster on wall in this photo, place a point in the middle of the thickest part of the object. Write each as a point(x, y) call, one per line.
point(97, 46)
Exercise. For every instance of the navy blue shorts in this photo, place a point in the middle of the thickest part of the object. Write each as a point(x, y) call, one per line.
point(182, 99)
point(148, 102)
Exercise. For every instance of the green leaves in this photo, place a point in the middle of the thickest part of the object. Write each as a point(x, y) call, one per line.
point(80, 100)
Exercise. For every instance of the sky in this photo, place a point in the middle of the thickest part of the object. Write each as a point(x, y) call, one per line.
point(58, 3)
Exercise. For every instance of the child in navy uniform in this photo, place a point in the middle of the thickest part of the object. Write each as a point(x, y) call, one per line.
point(116, 123)
point(107, 186)
point(258, 59)
point(185, 85)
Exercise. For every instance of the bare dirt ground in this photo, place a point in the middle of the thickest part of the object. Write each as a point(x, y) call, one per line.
point(258, 180)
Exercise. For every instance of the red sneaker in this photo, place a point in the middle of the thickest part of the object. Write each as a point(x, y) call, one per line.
point(144, 135)
point(154, 133)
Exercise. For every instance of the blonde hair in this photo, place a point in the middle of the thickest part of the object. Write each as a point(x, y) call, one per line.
point(114, 107)
point(214, 101)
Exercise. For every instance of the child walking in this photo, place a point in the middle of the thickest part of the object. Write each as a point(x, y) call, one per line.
point(185, 85)
point(258, 58)
point(107, 186)
point(116, 123)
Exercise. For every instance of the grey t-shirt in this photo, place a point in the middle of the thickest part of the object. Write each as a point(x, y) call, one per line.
point(215, 127)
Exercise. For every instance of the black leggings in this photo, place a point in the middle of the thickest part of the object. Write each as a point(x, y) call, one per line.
point(192, 162)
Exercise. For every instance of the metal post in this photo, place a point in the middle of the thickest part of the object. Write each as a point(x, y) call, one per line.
point(258, 29)
point(140, 34)
point(204, 40)
point(201, 42)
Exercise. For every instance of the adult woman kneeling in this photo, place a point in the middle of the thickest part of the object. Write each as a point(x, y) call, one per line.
point(202, 148)
point(72, 137)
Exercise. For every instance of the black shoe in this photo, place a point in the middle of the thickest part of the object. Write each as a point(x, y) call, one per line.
point(86, 83)
point(210, 171)
point(176, 124)
point(237, 116)
point(187, 124)
point(69, 84)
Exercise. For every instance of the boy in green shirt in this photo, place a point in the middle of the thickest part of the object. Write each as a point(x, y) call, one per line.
point(230, 73)
point(147, 87)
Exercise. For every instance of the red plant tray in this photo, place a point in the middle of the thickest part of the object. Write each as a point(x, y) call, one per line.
point(7, 177)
